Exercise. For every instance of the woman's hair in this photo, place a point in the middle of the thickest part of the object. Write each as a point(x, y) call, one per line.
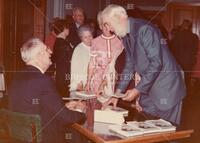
point(52, 23)
point(84, 28)
point(60, 25)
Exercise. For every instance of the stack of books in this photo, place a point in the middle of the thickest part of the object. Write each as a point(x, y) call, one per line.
point(135, 128)
point(110, 115)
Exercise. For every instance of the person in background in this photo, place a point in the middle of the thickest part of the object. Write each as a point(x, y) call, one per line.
point(196, 73)
point(161, 88)
point(93, 25)
point(50, 41)
point(185, 45)
point(33, 92)
point(78, 19)
point(51, 37)
point(61, 57)
point(80, 59)
point(105, 50)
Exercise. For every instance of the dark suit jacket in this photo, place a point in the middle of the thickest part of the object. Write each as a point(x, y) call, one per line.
point(73, 35)
point(62, 58)
point(148, 55)
point(32, 92)
point(184, 46)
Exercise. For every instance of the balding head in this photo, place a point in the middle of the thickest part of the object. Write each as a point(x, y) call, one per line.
point(35, 52)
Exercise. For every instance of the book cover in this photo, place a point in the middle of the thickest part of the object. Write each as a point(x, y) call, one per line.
point(135, 128)
point(110, 115)
point(125, 130)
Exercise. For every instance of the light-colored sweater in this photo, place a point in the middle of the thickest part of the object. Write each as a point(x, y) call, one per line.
point(79, 65)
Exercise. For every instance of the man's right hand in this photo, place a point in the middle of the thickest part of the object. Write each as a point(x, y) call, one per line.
point(80, 86)
point(111, 100)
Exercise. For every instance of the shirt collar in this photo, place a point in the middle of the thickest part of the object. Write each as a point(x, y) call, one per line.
point(85, 45)
point(108, 38)
point(39, 69)
point(77, 25)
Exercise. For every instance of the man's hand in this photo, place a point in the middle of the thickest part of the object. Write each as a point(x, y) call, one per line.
point(76, 105)
point(81, 106)
point(131, 95)
point(111, 100)
point(71, 105)
point(80, 86)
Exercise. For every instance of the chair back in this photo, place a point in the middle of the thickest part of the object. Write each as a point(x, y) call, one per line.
point(21, 126)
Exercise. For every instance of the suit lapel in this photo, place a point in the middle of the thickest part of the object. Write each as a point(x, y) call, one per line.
point(129, 39)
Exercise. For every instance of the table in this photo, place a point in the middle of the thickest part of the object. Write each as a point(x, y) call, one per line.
point(104, 136)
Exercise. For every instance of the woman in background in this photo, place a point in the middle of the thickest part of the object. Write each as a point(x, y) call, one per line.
point(51, 37)
point(80, 59)
point(62, 56)
point(105, 48)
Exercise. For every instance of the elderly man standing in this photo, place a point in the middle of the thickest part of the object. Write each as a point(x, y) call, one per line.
point(33, 92)
point(161, 88)
point(79, 18)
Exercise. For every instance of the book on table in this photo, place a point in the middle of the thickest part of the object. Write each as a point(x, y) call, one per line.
point(110, 115)
point(119, 95)
point(80, 95)
point(135, 128)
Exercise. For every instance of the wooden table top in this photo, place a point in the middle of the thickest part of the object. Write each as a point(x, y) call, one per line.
point(147, 138)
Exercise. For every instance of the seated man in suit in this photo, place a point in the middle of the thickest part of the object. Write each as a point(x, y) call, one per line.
point(161, 89)
point(33, 92)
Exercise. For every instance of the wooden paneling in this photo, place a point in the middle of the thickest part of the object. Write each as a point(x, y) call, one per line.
point(175, 13)
point(179, 12)
point(39, 19)
point(1, 30)
point(18, 28)
point(23, 19)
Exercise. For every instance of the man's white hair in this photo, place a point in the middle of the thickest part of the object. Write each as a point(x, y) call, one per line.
point(30, 49)
point(112, 13)
point(116, 17)
point(99, 19)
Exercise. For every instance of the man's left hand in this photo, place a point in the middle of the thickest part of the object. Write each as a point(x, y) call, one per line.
point(131, 95)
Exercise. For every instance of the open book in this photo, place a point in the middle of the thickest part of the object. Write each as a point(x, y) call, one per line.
point(80, 95)
point(119, 95)
point(162, 124)
point(85, 95)
point(110, 115)
point(135, 128)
